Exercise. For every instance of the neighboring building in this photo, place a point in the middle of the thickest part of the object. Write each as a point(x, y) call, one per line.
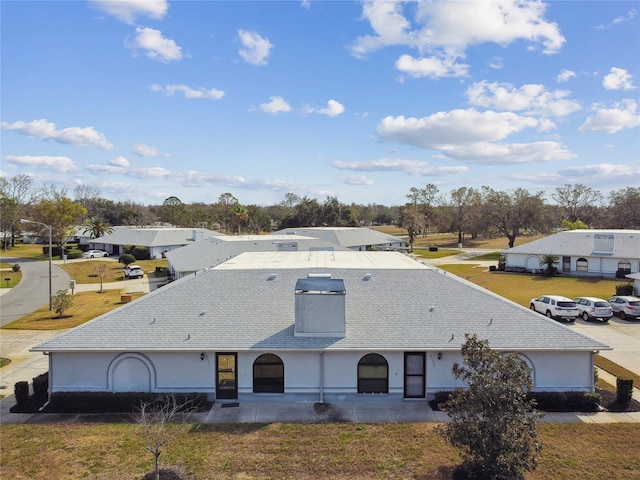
point(216, 250)
point(601, 253)
point(325, 326)
point(636, 282)
point(353, 238)
point(159, 240)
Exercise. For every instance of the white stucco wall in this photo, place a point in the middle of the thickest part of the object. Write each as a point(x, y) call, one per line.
point(597, 266)
point(186, 372)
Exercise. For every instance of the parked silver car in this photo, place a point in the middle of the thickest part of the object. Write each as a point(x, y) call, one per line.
point(555, 306)
point(592, 308)
point(626, 306)
point(133, 271)
point(95, 254)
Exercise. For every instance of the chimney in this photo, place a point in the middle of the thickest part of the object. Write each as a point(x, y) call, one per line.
point(320, 306)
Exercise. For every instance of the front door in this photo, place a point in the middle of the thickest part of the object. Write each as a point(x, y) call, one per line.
point(227, 380)
point(414, 375)
point(566, 264)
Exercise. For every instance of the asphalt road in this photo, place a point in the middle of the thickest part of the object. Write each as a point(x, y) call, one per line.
point(32, 292)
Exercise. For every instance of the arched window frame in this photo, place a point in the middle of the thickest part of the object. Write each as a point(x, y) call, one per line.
point(582, 265)
point(373, 374)
point(268, 374)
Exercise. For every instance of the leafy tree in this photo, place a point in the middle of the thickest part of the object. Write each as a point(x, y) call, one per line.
point(578, 202)
point(461, 205)
point(492, 420)
point(15, 195)
point(173, 210)
point(508, 213)
point(126, 259)
point(240, 216)
point(60, 212)
point(577, 225)
point(161, 423)
point(97, 227)
point(549, 260)
point(258, 220)
point(61, 302)
point(624, 208)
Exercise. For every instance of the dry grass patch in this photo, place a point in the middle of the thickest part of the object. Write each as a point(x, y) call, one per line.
point(86, 306)
point(522, 287)
point(301, 452)
point(85, 271)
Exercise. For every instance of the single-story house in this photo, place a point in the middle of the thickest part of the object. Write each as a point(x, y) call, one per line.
point(326, 326)
point(601, 253)
point(216, 250)
point(159, 240)
point(353, 238)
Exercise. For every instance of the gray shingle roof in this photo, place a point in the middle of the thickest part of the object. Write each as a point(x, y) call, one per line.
point(392, 303)
point(155, 237)
point(219, 249)
point(349, 237)
point(582, 243)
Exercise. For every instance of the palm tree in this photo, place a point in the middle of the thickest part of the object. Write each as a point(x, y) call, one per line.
point(97, 227)
point(550, 260)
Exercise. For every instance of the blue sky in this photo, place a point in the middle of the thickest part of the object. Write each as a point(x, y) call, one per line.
point(147, 99)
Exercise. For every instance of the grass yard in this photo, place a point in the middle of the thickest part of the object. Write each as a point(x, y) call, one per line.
point(86, 306)
point(86, 270)
point(300, 451)
point(522, 287)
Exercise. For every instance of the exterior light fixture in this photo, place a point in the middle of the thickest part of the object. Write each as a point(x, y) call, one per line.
point(202, 356)
point(439, 355)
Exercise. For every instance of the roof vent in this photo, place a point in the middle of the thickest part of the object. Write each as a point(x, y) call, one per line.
point(272, 276)
point(367, 277)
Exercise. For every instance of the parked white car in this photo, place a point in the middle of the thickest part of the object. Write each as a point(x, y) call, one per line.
point(555, 306)
point(133, 271)
point(95, 254)
point(627, 307)
point(592, 308)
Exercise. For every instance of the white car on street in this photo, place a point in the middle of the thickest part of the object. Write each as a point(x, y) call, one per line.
point(592, 308)
point(555, 306)
point(95, 254)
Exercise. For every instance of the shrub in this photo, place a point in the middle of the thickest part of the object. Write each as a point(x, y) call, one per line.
point(74, 253)
point(126, 259)
point(121, 402)
point(141, 253)
point(41, 385)
point(15, 267)
point(624, 289)
point(624, 390)
point(566, 401)
point(21, 391)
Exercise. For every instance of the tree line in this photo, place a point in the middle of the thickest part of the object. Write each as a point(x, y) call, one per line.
point(466, 211)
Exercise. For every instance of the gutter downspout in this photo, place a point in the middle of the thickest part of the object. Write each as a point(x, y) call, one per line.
point(321, 377)
point(46, 404)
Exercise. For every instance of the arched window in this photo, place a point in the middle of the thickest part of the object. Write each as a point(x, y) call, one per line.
point(582, 265)
point(268, 374)
point(373, 374)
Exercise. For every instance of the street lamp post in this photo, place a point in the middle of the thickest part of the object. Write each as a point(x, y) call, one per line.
point(23, 220)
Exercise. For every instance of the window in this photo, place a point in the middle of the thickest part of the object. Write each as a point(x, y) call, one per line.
point(268, 374)
point(582, 265)
point(624, 266)
point(373, 374)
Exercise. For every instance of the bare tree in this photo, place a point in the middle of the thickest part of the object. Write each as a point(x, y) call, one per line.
point(100, 270)
point(161, 423)
point(578, 202)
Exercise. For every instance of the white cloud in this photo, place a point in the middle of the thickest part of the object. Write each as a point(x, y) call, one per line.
point(454, 127)
point(188, 92)
point(121, 162)
point(155, 45)
point(356, 180)
point(58, 164)
point(611, 120)
point(305, 4)
point(630, 16)
point(148, 151)
point(447, 29)
point(121, 166)
point(255, 49)
point(497, 63)
point(128, 10)
point(275, 105)
point(432, 67)
point(45, 130)
point(531, 98)
point(333, 109)
point(486, 153)
point(565, 75)
point(410, 167)
point(618, 79)
point(608, 170)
